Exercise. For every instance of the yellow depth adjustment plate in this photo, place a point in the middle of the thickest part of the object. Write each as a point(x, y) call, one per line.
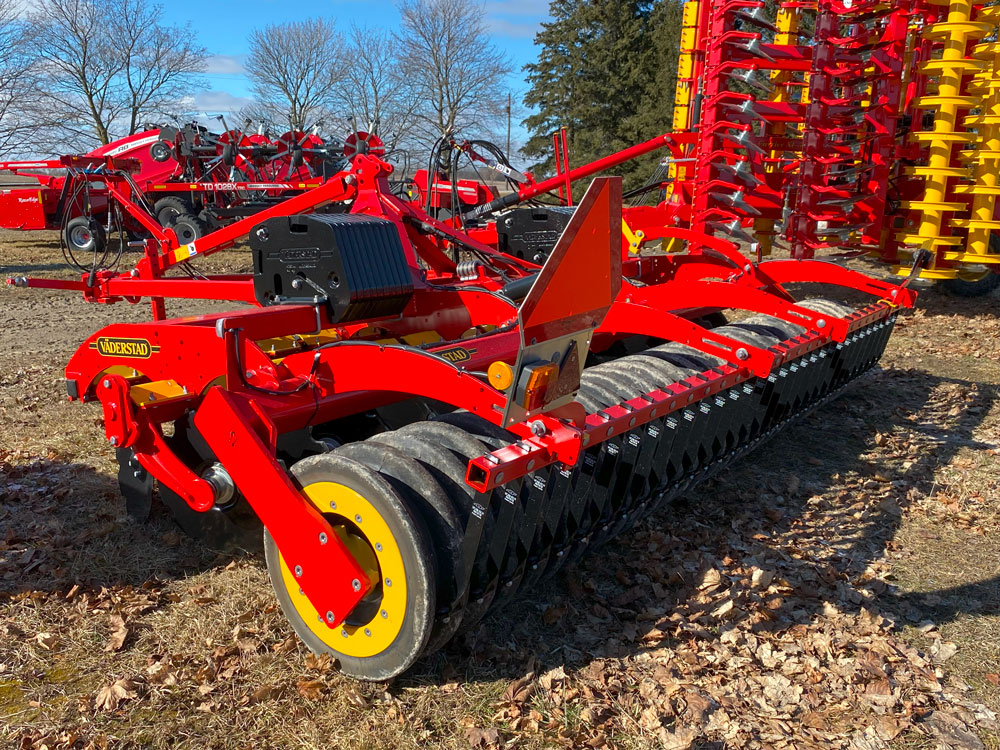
point(962, 172)
point(975, 224)
point(376, 551)
point(933, 102)
point(147, 394)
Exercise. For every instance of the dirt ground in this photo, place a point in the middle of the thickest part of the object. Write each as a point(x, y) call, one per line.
point(839, 588)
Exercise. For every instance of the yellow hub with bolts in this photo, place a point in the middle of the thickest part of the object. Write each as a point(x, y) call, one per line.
point(374, 624)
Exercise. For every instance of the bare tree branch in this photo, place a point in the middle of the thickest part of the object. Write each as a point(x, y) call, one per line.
point(296, 66)
point(106, 64)
point(15, 86)
point(375, 89)
point(456, 71)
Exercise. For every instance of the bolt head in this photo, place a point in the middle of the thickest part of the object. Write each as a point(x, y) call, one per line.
point(322, 537)
point(742, 354)
point(538, 428)
point(330, 617)
point(298, 571)
point(388, 582)
point(106, 383)
point(114, 441)
point(368, 632)
point(378, 546)
point(384, 614)
point(356, 584)
point(821, 323)
point(262, 234)
point(357, 518)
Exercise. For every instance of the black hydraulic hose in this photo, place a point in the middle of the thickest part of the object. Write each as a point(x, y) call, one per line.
point(431, 170)
point(518, 289)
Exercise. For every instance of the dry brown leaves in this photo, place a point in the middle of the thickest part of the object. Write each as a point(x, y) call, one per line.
point(763, 629)
point(118, 633)
point(110, 697)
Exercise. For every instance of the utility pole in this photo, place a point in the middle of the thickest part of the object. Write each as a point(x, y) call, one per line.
point(508, 125)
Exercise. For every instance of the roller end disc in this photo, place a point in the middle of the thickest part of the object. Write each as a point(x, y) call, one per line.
point(386, 632)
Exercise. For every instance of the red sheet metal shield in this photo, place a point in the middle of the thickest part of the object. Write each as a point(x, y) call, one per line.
point(569, 299)
point(583, 274)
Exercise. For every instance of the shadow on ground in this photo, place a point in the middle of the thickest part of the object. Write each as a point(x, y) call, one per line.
point(809, 507)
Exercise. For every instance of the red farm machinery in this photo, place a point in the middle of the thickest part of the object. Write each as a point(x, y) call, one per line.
point(429, 404)
point(188, 180)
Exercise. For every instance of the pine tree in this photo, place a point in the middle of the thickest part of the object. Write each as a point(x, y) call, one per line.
point(606, 71)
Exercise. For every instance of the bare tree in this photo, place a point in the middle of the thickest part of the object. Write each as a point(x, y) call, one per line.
point(159, 61)
point(375, 87)
point(457, 73)
point(296, 66)
point(108, 63)
point(15, 61)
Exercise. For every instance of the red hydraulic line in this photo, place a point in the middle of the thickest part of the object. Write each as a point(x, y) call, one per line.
point(565, 156)
point(559, 170)
point(530, 191)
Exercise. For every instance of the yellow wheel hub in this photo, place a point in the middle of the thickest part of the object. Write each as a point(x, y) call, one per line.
point(376, 621)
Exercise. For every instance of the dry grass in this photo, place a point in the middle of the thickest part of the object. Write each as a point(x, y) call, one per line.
point(879, 515)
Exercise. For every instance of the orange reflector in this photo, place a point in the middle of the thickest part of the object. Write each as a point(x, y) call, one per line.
point(501, 375)
point(537, 379)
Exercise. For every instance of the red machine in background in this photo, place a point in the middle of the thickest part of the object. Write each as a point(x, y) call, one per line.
point(188, 180)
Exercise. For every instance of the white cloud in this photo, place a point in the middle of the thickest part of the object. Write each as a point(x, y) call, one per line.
point(215, 102)
point(515, 18)
point(225, 64)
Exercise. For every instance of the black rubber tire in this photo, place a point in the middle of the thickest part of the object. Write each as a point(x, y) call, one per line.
point(188, 228)
point(827, 306)
point(493, 435)
point(417, 486)
point(669, 354)
point(411, 537)
point(84, 234)
point(160, 152)
point(434, 445)
point(169, 207)
point(979, 288)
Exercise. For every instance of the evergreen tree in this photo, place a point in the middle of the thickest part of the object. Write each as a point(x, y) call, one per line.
point(606, 72)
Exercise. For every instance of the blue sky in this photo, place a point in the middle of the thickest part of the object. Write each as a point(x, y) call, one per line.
point(222, 27)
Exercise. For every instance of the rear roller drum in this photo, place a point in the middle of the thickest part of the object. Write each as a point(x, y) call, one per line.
point(418, 487)
point(446, 451)
point(387, 631)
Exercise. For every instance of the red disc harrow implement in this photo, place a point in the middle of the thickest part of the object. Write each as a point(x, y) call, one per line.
point(431, 404)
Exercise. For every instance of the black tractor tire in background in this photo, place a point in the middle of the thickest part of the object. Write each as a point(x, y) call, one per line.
point(188, 228)
point(980, 287)
point(169, 207)
point(85, 235)
point(976, 285)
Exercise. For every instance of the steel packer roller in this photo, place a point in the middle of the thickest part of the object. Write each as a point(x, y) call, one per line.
point(419, 426)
